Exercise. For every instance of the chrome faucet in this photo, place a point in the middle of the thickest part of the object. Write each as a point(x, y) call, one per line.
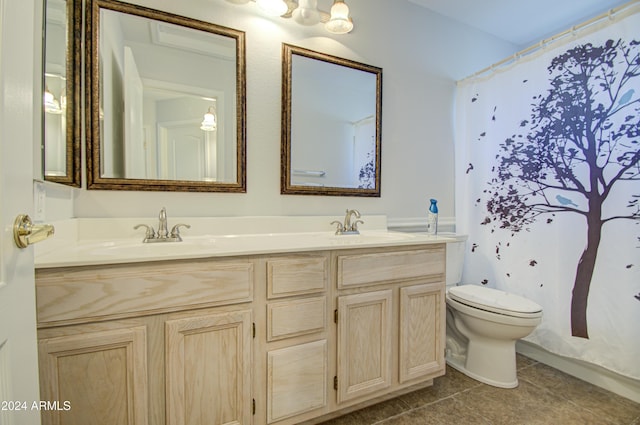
point(163, 234)
point(162, 223)
point(347, 219)
point(348, 228)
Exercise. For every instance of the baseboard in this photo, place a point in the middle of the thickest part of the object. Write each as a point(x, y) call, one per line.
point(594, 374)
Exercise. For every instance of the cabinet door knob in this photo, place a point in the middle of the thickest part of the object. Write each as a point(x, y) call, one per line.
point(26, 233)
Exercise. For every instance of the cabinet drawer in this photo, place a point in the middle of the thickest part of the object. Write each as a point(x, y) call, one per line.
point(382, 267)
point(74, 295)
point(296, 276)
point(296, 317)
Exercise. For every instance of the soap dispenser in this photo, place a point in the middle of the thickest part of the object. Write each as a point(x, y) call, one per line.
point(432, 218)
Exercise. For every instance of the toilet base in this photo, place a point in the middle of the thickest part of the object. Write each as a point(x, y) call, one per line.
point(459, 364)
point(481, 344)
point(490, 361)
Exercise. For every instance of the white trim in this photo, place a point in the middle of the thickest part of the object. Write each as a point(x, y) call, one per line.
point(419, 224)
point(594, 374)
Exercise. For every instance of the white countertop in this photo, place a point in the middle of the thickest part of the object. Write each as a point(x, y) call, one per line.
point(84, 242)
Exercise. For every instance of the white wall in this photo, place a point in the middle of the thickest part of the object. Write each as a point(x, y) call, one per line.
point(422, 55)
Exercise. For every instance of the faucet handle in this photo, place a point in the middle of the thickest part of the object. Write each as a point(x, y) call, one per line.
point(149, 234)
point(354, 226)
point(339, 226)
point(175, 231)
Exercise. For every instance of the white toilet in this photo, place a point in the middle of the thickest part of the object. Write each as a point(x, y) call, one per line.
point(483, 325)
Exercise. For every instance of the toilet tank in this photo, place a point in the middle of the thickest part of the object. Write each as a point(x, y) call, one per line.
point(455, 258)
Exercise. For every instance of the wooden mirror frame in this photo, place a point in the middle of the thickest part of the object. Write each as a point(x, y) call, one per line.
point(73, 69)
point(92, 73)
point(286, 187)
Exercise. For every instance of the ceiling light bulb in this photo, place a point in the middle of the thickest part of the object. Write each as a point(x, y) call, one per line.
point(209, 121)
point(339, 23)
point(307, 12)
point(273, 7)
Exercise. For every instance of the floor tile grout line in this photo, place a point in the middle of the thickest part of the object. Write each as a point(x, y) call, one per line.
point(431, 403)
point(413, 409)
point(464, 405)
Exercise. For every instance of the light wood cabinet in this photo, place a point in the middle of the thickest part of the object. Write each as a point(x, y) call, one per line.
point(208, 369)
point(297, 380)
point(422, 330)
point(297, 349)
point(97, 377)
point(276, 339)
point(156, 344)
point(364, 344)
point(390, 321)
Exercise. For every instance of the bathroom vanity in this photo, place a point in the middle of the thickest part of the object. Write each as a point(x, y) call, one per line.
point(299, 328)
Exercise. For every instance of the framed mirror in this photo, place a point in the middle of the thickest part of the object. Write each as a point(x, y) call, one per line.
point(331, 125)
point(166, 101)
point(61, 133)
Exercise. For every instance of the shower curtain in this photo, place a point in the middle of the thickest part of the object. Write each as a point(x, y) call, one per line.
point(548, 188)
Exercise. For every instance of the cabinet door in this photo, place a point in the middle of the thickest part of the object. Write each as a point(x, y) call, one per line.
point(364, 343)
point(297, 380)
point(208, 369)
point(422, 327)
point(95, 377)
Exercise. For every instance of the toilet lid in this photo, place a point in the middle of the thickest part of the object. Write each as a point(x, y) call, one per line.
point(494, 300)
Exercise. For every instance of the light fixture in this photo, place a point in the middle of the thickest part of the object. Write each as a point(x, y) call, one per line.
point(339, 22)
point(51, 104)
point(306, 12)
point(273, 7)
point(209, 122)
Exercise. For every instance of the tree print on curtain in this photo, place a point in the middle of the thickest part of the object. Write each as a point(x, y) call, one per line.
point(580, 142)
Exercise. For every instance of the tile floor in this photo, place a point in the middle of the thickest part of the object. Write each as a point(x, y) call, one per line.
point(544, 396)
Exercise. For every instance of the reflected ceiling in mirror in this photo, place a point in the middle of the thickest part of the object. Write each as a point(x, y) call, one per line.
point(331, 115)
point(61, 91)
point(167, 101)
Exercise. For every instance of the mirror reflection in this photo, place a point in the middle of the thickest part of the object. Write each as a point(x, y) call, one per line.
point(167, 97)
point(331, 125)
point(61, 127)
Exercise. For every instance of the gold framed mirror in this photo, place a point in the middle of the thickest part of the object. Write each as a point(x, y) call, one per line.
point(166, 99)
point(331, 125)
point(61, 56)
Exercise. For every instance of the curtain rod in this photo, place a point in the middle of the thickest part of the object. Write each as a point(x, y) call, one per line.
point(545, 42)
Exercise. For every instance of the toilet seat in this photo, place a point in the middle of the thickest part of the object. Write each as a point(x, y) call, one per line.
point(495, 301)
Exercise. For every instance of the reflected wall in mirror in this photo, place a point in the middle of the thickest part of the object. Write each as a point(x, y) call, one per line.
point(166, 98)
point(61, 91)
point(331, 122)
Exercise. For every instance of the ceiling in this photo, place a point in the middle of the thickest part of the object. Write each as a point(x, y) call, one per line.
point(521, 22)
